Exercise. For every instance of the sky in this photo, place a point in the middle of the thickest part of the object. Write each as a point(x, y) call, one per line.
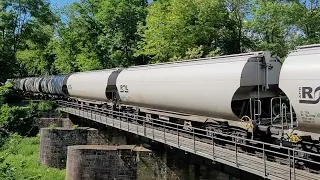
point(61, 3)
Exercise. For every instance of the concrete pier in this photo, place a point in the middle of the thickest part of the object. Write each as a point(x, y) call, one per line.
point(95, 162)
point(54, 143)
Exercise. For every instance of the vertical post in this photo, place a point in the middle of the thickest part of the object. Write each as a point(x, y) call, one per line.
point(144, 127)
point(264, 160)
point(194, 141)
point(152, 129)
point(212, 148)
point(112, 122)
point(137, 124)
point(289, 164)
point(164, 132)
point(294, 164)
point(178, 135)
point(128, 122)
point(291, 115)
point(236, 151)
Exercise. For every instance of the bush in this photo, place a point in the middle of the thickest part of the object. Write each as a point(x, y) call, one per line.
point(15, 119)
point(5, 90)
point(19, 160)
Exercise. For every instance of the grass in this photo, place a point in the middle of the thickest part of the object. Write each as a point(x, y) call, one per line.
point(19, 159)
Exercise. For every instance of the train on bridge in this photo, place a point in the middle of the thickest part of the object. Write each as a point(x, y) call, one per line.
point(252, 95)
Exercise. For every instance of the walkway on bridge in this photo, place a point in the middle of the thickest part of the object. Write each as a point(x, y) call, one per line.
point(202, 145)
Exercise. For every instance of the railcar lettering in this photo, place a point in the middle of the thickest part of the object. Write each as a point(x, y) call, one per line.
point(124, 88)
point(308, 95)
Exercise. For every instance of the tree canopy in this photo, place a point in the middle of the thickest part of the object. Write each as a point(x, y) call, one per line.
point(36, 39)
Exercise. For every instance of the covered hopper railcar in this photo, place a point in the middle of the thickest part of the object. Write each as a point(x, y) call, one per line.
point(300, 81)
point(22, 84)
point(29, 85)
point(45, 84)
point(99, 86)
point(37, 85)
point(56, 85)
point(225, 88)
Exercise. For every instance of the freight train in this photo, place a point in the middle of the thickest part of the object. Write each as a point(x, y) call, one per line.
point(251, 95)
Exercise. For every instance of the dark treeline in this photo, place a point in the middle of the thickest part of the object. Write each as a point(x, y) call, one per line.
point(36, 39)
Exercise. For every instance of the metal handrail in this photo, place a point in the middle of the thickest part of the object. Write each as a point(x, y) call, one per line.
point(177, 129)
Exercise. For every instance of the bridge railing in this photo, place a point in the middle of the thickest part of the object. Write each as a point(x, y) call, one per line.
point(291, 157)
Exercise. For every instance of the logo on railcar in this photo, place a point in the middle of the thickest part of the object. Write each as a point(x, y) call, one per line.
point(309, 95)
point(124, 88)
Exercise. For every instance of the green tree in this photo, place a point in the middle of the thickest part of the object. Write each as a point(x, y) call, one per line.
point(5, 91)
point(270, 26)
point(77, 46)
point(239, 13)
point(174, 27)
point(99, 34)
point(305, 19)
point(19, 21)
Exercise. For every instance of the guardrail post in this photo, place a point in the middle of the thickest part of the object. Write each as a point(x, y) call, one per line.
point(112, 120)
point(137, 124)
point(294, 168)
point(236, 139)
point(152, 129)
point(212, 148)
point(178, 135)
point(289, 164)
point(264, 160)
point(194, 141)
point(144, 127)
point(128, 122)
point(164, 132)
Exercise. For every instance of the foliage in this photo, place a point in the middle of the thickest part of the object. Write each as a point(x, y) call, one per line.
point(99, 34)
point(174, 27)
point(15, 119)
point(21, 28)
point(96, 34)
point(5, 91)
point(75, 126)
point(19, 160)
point(53, 126)
point(41, 109)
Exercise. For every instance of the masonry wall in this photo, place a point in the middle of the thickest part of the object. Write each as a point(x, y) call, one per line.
point(54, 143)
point(90, 162)
point(58, 122)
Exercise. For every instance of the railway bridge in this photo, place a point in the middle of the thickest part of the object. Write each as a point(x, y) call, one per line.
point(253, 156)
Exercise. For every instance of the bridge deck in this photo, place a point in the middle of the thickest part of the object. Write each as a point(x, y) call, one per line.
point(249, 163)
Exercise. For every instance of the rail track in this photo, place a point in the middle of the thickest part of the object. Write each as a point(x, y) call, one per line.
point(286, 163)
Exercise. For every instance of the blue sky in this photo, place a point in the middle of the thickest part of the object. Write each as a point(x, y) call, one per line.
point(61, 3)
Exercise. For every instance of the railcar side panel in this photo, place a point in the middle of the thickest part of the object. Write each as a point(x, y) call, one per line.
point(55, 85)
point(300, 81)
point(45, 84)
point(89, 85)
point(204, 87)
